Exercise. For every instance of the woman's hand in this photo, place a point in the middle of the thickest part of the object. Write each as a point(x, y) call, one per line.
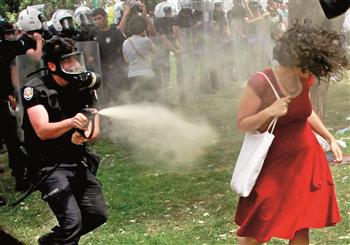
point(77, 139)
point(338, 155)
point(279, 108)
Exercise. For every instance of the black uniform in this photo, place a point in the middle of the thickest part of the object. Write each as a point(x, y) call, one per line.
point(28, 42)
point(72, 190)
point(113, 67)
point(8, 129)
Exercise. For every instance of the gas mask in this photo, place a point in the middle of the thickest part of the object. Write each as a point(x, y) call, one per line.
point(71, 67)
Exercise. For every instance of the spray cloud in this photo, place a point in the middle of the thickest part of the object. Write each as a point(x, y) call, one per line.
point(154, 128)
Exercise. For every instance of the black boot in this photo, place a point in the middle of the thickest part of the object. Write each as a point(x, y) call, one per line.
point(22, 184)
point(45, 239)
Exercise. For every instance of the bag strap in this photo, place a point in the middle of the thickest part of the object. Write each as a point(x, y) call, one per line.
point(136, 51)
point(271, 85)
point(272, 125)
point(274, 120)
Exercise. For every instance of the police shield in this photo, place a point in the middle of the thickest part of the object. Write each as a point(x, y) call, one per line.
point(26, 68)
point(91, 55)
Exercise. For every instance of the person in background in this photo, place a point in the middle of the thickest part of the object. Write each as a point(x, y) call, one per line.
point(257, 35)
point(295, 190)
point(10, 47)
point(132, 8)
point(83, 17)
point(138, 50)
point(110, 41)
point(184, 35)
point(164, 22)
point(63, 24)
point(238, 28)
point(31, 24)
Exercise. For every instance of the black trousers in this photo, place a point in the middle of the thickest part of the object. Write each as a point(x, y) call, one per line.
point(8, 131)
point(75, 197)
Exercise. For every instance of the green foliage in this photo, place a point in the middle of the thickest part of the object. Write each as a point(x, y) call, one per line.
point(50, 6)
point(9, 9)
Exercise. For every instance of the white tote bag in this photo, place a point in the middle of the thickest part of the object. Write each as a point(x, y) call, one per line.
point(252, 156)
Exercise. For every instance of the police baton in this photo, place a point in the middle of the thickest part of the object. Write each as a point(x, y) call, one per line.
point(35, 186)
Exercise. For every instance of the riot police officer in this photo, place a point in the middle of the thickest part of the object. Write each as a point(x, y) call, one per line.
point(63, 24)
point(164, 22)
point(9, 48)
point(33, 26)
point(59, 158)
point(83, 17)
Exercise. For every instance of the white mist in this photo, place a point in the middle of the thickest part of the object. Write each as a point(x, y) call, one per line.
point(165, 134)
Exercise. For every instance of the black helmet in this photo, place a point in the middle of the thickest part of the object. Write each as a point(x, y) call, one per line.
point(56, 47)
point(69, 63)
point(5, 28)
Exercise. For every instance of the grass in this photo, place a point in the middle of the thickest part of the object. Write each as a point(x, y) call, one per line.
point(151, 204)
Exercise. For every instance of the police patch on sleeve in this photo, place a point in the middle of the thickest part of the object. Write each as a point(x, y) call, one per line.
point(28, 93)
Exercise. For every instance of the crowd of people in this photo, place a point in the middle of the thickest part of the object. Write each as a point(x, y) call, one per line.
point(129, 58)
point(132, 51)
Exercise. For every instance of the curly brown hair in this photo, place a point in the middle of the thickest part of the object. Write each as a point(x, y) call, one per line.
point(312, 48)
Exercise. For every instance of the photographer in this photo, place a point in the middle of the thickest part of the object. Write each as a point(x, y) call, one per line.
point(60, 162)
point(132, 8)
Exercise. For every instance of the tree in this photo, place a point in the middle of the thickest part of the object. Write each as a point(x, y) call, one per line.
point(9, 7)
point(311, 9)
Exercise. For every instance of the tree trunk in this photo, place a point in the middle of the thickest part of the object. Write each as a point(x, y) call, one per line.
point(311, 9)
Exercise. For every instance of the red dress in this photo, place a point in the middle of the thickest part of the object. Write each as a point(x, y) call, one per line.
point(295, 188)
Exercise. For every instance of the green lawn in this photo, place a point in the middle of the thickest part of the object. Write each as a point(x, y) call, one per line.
point(151, 204)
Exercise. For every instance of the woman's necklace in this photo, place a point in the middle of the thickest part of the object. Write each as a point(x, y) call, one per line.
point(295, 80)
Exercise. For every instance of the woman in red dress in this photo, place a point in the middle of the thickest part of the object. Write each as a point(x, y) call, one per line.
point(295, 190)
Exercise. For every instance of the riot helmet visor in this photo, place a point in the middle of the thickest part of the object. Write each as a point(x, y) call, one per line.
point(73, 63)
point(67, 23)
point(86, 19)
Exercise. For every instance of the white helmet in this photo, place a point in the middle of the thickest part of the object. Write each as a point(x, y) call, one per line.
point(162, 8)
point(59, 16)
point(185, 4)
point(30, 19)
point(83, 13)
point(118, 11)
